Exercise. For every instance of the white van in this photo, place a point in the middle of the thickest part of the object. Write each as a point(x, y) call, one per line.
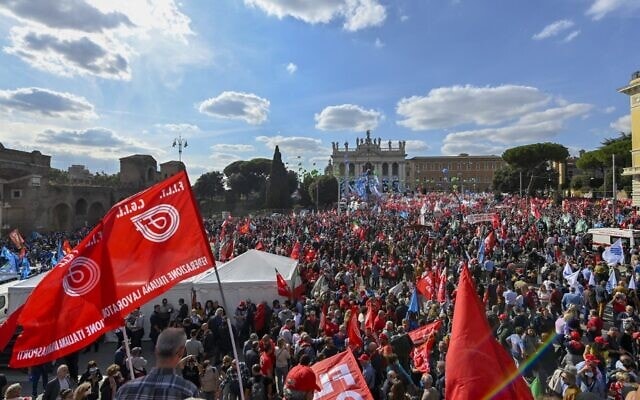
point(607, 236)
point(4, 297)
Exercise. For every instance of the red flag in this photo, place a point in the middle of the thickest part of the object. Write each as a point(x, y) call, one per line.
point(259, 246)
point(442, 287)
point(372, 313)
point(495, 221)
point(421, 334)
point(66, 247)
point(353, 332)
point(245, 228)
point(8, 328)
point(283, 286)
point(426, 285)
point(472, 343)
point(16, 238)
point(323, 319)
point(295, 253)
point(226, 250)
point(534, 210)
point(142, 247)
point(490, 241)
point(340, 378)
point(311, 255)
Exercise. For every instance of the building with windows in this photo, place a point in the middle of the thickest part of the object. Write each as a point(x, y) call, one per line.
point(633, 91)
point(466, 172)
point(388, 161)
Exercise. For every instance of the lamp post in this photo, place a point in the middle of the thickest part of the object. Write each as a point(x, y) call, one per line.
point(181, 143)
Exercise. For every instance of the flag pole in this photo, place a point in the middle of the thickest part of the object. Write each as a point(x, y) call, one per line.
point(231, 336)
point(127, 349)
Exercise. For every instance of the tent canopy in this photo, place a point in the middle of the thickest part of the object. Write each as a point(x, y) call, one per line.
point(251, 275)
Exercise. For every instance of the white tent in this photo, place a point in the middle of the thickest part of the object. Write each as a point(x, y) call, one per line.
point(251, 275)
point(19, 292)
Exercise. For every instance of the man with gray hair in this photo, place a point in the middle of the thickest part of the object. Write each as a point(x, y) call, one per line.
point(162, 382)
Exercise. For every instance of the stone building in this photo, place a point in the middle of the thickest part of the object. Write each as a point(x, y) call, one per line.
point(469, 173)
point(633, 91)
point(385, 160)
point(34, 197)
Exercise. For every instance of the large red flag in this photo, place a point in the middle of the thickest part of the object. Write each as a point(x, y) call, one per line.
point(142, 247)
point(226, 250)
point(340, 378)
point(490, 241)
point(372, 313)
point(472, 343)
point(421, 334)
point(283, 286)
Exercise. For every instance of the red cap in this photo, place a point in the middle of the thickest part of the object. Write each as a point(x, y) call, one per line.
point(590, 358)
point(302, 378)
point(383, 336)
point(600, 340)
point(636, 335)
point(575, 335)
point(502, 316)
point(364, 358)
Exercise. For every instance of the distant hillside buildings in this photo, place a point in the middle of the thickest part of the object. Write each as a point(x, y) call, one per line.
point(34, 196)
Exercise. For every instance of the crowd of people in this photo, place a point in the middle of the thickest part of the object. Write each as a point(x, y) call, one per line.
point(573, 338)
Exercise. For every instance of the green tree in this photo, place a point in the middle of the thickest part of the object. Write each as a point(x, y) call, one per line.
point(292, 179)
point(278, 194)
point(506, 179)
point(598, 163)
point(532, 160)
point(104, 179)
point(209, 185)
point(328, 190)
point(246, 178)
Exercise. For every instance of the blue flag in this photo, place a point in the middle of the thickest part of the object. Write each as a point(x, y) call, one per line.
point(413, 304)
point(12, 259)
point(614, 254)
point(25, 268)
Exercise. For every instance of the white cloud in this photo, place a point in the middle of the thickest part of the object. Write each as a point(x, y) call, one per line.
point(104, 38)
point(571, 36)
point(65, 14)
point(293, 145)
point(553, 29)
point(622, 124)
point(347, 117)
point(404, 18)
point(231, 148)
point(533, 127)
point(378, 43)
point(447, 107)
point(47, 103)
point(413, 146)
point(70, 54)
point(600, 8)
point(237, 105)
point(221, 160)
point(609, 110)
point(178, 128)
point(291, 68)
point(357, 14)
point(362, 14)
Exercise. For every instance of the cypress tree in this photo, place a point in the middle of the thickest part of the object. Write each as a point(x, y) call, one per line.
point(278, 186)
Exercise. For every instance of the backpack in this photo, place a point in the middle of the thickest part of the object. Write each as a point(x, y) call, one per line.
point(258, 391)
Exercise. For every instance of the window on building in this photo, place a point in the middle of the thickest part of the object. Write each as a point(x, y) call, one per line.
point(16, 194)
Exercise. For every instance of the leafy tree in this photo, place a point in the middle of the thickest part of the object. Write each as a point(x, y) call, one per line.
point(597, 163)
point(591, 161)
point(532, 161)
point(507, 179)
point(578, 182)
point(328, 190)
point(278, 194)
point(292, 179)
point(248, 177)
point(209, 185)
point(104, 179)
point(58, 176)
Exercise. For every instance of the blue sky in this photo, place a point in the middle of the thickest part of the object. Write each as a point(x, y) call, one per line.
point(90, 81)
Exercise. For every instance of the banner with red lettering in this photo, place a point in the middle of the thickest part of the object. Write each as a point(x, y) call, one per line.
point(340, 377)
point(142, 247)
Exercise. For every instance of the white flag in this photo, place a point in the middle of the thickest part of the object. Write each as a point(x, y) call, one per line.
point(573, 279)
point(614, 254)
point(567, 270)
point(592, 280)
point(612, 282)
point(632, 282)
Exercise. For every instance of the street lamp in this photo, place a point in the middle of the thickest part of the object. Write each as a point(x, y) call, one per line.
point(180, 142)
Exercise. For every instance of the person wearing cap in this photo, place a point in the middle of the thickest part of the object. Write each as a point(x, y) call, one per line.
point(569, 388)
point(589, 378)
point(300, 383)
point(368, 372)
